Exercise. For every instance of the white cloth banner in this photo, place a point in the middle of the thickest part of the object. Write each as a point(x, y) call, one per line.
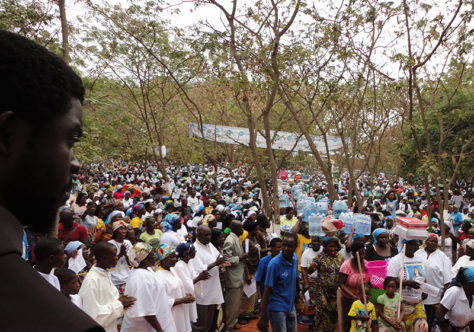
point(282, 140)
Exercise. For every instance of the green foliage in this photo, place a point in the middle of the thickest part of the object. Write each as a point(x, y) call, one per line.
point(37, 20)
point(453, 112)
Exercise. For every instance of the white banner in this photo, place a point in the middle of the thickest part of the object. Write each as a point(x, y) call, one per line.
point(282, 140)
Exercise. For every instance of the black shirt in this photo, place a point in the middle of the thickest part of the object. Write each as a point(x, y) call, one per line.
point(28, 301)
point(371, 254)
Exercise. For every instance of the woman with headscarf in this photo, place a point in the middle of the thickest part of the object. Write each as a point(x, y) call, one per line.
point(438, 273)
point(323, 290)
point(121, 272)
point(114, 216)
point(170, 226)
point(380, 250)
point(152, 310)
point(456, 308)
point(349, 282)
point(185, 252)
point(174, 288)
point(136, 214)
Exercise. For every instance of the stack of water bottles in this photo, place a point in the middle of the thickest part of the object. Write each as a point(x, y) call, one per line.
point(283, 198)
point(301, 199)
point(349, 221)
point(315, 224)
point(311, 207)
point(322, 206)
point(339, 207)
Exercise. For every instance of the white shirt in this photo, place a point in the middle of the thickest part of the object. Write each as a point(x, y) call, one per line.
point(438, 272)
point(345, 255)
point(151, 300)
point(121, 271)
point(127, 203)
point(186, 274)
point(52, 279)
point(463, 261)
point(100, 298)
point(448, 247)
point(175, 289)
point(76, 299)
point(209, 291)
point(182, 233)
point(459, 313)
point(413, 270)
point(307, 259)
point(170, 238)
point(193, 203)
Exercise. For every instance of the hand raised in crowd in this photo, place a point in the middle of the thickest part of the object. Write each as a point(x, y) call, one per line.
point(127, 301)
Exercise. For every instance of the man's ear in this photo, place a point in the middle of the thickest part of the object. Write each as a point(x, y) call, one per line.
point(13, 133)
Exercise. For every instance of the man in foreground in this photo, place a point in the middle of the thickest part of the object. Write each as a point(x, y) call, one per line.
point(40, 120)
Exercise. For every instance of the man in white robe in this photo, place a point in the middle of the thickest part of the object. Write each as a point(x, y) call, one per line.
point(208, 292)
point(100, 298)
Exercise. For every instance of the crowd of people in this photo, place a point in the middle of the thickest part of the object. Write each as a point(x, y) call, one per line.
point(191, 248)
point(189, 254)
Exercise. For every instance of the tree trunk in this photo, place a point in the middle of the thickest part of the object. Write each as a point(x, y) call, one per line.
point(273, 167)
point(64, 31)
point(258, 166)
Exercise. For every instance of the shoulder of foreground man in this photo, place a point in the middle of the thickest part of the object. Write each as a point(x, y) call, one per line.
point(30, 303)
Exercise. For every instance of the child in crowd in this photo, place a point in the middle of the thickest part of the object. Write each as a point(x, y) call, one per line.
point(49, 253)
point(363, 320)
point(70, 285)
point(387, 307)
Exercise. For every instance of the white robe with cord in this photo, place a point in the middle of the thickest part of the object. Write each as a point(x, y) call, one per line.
point(100, 298)
point(175, 289)
point(186, 274)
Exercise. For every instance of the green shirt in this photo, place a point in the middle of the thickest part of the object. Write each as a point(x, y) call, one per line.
point(390, 307)
point(145, 237)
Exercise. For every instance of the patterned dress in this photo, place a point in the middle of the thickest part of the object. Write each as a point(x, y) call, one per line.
point(323, 291)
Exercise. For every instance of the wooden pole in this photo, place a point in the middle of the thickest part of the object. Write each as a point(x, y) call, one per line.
point(401, 280)
point(363, 288)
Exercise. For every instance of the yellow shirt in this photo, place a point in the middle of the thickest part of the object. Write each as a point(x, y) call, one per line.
point(358, 309)
point(100, 224)
point(285, 221)
point(136, 222)
point(243, 236)
point(300, 247)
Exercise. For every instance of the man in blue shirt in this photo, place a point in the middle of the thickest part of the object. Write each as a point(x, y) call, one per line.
point(278, 302)
point(275, 248)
